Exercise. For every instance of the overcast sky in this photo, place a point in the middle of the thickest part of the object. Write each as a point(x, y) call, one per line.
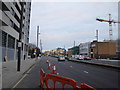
point(63, 22)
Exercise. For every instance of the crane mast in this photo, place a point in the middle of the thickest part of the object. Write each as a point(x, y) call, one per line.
point(110, 21)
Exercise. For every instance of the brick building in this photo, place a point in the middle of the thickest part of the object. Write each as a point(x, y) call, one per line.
point(102, 49)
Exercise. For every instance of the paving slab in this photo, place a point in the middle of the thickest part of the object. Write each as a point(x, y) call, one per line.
point(10, 75)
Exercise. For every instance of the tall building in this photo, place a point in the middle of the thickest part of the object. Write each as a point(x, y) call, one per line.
point(15, 26)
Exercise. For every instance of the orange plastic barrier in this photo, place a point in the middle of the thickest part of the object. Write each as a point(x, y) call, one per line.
point(60, 79)
point(45, 77)
point(42, 78)
point(85, 87)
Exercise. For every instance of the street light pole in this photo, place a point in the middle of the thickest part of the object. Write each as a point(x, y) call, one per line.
point(74, 49)
point(37, 34)
point(20, 34)
point(97, 42)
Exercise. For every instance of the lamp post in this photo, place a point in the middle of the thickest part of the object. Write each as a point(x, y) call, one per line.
point(20, 34)
point(97, 43)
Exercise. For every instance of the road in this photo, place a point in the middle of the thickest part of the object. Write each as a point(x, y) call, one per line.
point(95, 76)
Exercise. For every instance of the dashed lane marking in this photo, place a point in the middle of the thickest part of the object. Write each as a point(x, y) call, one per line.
point(85, 72)
point(71, 66)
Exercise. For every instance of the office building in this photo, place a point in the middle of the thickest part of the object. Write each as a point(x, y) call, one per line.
point(84, 49)
point(15, 22)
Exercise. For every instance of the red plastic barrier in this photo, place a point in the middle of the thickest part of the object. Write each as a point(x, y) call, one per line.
point(42, 78)
point(44, 82)
point(86, 87)
point(60, 79)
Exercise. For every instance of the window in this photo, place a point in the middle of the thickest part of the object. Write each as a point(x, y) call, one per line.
point(11, 23)
point(11, 42)
point(91, 50)
point(4, 39)
point(12, 11)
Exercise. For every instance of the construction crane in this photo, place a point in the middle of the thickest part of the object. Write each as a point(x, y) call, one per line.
point(110, 21)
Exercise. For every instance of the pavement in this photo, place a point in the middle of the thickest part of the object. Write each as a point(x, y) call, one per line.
point(10, 75)
point(0, 75)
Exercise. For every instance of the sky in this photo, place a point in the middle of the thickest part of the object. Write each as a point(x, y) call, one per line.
point(62, 23)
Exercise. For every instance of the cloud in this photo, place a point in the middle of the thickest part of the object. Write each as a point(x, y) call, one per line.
point(63, 22)
point(76, 1)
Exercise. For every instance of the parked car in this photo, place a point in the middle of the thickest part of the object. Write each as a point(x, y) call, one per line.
point(87, 58)
point(80, 58)
point(115, 58)
point(61, 58)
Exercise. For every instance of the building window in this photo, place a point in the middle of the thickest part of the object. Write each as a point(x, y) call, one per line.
point(17, 44)
point(11, 23)
point(12, 12)
point(11, 42)
point(17, 7)
point(91, 50)
point(4, 8)
point(4, 39)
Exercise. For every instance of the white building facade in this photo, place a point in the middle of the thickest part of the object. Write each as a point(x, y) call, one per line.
point(84, 49)
point(10, 28)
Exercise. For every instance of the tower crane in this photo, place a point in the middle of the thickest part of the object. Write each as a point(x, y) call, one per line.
point(110, 21)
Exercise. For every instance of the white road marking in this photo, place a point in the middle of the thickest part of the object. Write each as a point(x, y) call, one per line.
point(22, 78)
point(71, 66)
point(85, 72)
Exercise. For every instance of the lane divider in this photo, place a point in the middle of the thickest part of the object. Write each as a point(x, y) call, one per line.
point(97, 64)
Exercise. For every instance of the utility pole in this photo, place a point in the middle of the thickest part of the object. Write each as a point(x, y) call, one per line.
point(74, 49)
point(20, 34)
point(37, 34)
point(110, 28)
point(41, 45)
point(64, 51)
point(97, 43)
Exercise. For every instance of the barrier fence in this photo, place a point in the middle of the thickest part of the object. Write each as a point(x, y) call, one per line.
point(63, 80)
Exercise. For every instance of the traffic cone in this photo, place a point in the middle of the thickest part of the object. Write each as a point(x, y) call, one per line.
point(49, 66)
point(54, 69)
point(47, 61)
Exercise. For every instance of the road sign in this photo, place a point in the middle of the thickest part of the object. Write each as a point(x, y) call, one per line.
point(19, 44)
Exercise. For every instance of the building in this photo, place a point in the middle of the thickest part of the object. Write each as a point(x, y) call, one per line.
point(69, 52)
point(58, 51)
point(84, 49)
point(73, 52)
point(102, 49)
point(15, 25)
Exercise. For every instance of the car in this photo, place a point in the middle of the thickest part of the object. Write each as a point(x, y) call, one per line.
point(61, 58)
point(81, 58)
point(87, 58)
point(115, 58)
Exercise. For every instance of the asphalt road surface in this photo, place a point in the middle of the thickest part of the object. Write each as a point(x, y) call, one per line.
point(95, 76)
